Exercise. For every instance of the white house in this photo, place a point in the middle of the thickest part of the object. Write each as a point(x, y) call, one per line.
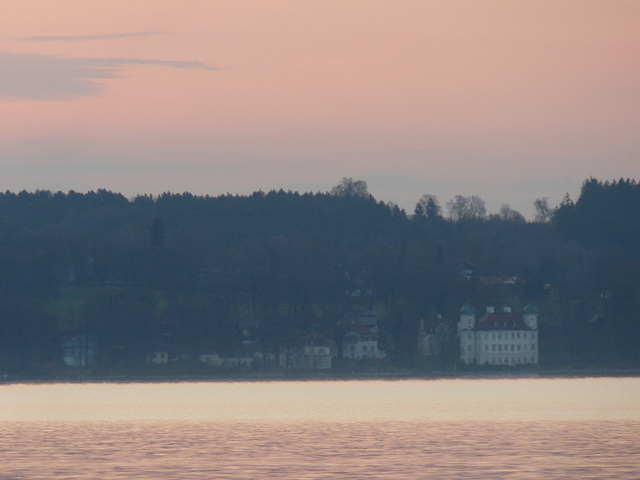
point(158, 357)
point(313, 353)
point(499, 338)
point(426, 342)
point(215, 360)
point(316, 357)
point(360, 342)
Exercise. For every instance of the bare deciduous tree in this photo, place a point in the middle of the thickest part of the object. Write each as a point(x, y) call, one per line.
point(543, 212)
point(509, 215)
point(349, 187)
point(466, 208)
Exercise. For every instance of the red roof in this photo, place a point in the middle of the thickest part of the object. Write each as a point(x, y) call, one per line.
point(502, 321)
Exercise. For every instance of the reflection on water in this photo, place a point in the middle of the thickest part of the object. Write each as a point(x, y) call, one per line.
point(395, 450)
point(323, 430)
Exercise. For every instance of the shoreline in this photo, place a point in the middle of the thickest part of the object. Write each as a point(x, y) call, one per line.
point(328, 377)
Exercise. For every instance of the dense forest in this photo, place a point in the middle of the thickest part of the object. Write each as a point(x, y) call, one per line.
point(205, 273)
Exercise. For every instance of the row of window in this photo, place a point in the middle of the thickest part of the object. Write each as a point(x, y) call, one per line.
point(372, 348)
point(499, 335)
point(317, 350)
point(511, 360)
point(514, 347)
point(499, 347)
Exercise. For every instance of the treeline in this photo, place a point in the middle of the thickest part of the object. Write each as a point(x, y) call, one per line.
point(202, 271)
point(606, 214)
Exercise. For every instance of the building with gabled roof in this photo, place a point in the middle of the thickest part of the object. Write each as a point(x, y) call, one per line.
point(360, 342)
point(499, 337)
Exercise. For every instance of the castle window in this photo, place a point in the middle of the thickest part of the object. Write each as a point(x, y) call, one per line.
point(513, 335)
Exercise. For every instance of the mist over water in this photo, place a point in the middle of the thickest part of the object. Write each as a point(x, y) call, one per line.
point(409, 429)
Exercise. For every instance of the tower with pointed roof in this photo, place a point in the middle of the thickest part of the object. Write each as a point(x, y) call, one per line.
point(530, 317)
point(467, 333)
point(467, 318)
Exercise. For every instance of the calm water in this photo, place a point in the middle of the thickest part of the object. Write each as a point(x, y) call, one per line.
point(414, 429)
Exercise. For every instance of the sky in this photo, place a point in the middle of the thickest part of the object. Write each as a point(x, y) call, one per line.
point(508, 100)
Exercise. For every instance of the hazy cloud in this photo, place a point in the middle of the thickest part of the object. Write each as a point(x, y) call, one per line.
point(87, 38)
point(53, 77)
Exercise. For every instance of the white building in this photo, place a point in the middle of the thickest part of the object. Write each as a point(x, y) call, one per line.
point(158, 357)
point(360, 342)
point(313, 353)
point(426, 342)
point(316, 356)
point(215, 360)
point(499, 338)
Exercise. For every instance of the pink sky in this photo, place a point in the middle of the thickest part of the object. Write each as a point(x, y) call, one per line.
point(511, 100)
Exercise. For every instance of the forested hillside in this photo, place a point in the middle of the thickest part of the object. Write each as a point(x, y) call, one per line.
point(200, 272)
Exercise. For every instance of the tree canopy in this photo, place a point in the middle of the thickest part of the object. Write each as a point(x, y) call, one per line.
point(197, 271)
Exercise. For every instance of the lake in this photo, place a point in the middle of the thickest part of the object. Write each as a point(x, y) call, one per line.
point(529, 428)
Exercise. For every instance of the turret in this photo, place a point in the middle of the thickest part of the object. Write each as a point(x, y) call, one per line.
point(530, 317)
point(467, 318)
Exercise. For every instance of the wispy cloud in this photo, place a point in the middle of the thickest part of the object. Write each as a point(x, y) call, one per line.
point(53, 77)
point(116, 62)
point(87, 38)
